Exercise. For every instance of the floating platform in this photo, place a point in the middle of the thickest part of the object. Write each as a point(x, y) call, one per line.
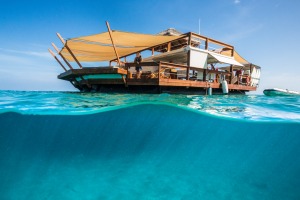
point(110, 79)
point(178, 63)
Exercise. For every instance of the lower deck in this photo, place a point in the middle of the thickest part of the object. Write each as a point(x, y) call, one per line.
point(155, 78)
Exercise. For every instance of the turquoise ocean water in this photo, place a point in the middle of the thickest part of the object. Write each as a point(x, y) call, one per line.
point(59, 145)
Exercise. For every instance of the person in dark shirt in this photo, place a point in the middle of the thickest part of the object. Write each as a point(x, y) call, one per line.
point(238, 74)
point(138, 67)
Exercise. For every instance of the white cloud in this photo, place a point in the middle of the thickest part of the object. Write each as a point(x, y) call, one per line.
point(4, 58)
point(237, 1)
point(43, 54)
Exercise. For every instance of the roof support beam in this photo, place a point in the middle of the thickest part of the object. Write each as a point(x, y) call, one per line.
point(112, 41)
point(190, 38)
point(55, 47)
point(212, 40)
point(69, 50)
point(188, 65)
point(52, 53)
point(169, 47)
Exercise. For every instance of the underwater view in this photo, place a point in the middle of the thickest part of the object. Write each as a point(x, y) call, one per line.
point(71, 145)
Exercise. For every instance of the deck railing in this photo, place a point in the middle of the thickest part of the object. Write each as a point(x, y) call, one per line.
point(176, 71)
point(165, 70)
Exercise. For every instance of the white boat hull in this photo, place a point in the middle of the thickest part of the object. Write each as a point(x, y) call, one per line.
point(280, 92)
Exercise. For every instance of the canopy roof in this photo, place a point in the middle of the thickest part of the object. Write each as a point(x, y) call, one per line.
point(236, 56)
point(99, 47)
point(215, 57)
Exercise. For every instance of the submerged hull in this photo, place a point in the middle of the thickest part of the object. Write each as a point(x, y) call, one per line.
point(156, 89)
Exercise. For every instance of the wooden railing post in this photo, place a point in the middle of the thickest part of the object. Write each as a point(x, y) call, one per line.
point(204, 74)
point(69, 50)
point(159, 68)
point(52, 53)
point(231, 70)
point(112, 41)
point(188, 65)
point(54, 46)
point(189, 58)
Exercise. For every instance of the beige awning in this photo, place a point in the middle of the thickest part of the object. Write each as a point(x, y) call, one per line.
point(236, 56)
point(98, 47)
point(215, 57)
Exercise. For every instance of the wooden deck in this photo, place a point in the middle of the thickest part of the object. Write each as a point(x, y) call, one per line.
point(80, 78)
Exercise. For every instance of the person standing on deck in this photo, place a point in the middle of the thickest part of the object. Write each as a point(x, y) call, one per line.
point(138, 67)
point(239, 74)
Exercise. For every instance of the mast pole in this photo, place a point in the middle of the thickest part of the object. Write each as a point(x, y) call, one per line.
point(112, 41)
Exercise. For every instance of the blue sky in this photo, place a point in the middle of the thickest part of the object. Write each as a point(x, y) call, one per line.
point(265, 32)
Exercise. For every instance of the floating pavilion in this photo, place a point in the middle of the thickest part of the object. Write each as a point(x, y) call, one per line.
point(173, 62)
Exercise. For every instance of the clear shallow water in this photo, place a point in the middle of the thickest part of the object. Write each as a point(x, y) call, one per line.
point(251, 107)
point(100, 146)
